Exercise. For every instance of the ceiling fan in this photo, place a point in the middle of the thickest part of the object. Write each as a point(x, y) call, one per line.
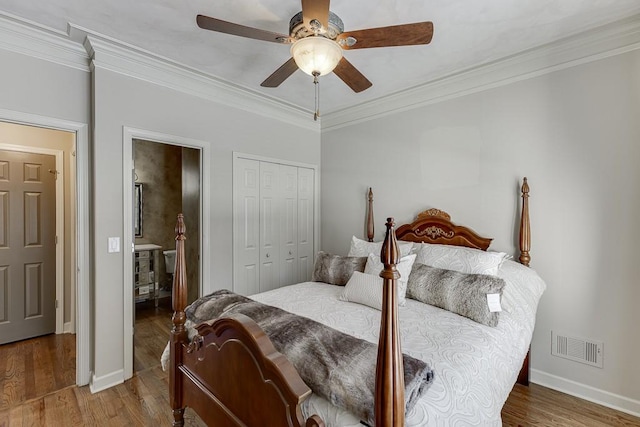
point(317, 39)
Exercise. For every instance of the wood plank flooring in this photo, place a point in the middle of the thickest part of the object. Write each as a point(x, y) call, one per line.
point(49, 398)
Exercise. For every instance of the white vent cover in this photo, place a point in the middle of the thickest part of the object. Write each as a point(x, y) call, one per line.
point(577, 349)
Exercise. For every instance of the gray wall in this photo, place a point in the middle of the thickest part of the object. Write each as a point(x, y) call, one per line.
point(574, 134)
point(124, 101)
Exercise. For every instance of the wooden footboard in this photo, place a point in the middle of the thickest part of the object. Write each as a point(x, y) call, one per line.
point(230, 373)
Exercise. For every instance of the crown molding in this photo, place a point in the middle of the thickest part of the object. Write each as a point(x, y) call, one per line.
point(83, 50)
point(31, 39)
point(609, 40)
point(110, 54)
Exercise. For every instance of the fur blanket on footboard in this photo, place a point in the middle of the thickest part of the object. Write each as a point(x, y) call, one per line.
point(337, 366)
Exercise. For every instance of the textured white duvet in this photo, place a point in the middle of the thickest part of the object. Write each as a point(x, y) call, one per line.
point(475, 366)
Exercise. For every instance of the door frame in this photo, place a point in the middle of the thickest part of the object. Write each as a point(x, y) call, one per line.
point(59, 229)
point(82, 219)
point(128, 135)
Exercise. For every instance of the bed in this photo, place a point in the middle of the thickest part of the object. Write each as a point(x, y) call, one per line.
point(230, 373)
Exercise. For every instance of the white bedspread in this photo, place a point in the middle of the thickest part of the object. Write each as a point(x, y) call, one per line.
point(475, 366)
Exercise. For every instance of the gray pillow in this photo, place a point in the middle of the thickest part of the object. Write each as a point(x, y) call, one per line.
point(461, 293)
point(335, 269)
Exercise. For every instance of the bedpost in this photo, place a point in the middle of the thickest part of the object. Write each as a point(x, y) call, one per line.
point(525, 258)
point(370, 228)
point(525, 226)
point(178, 335)
point(389, 399)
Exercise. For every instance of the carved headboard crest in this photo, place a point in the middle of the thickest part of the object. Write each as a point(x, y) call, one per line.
point(433, 212)
point(435, 226)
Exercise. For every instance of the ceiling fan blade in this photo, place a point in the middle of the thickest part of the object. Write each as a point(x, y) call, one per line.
point(396, 35)
point(351, 76)
point(214, 24)
point(315, 9)
point(281, 74)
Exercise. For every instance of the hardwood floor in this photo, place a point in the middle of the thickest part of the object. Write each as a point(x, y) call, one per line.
point(37, 377)
point(36, 367)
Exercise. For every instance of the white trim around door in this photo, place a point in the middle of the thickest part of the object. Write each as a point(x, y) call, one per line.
point(82, 267)
point(128, 135)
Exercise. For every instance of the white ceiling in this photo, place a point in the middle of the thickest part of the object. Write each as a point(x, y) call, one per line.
point(467, 33)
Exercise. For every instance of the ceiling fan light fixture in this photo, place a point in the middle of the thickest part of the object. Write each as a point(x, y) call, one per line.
point(316, 55)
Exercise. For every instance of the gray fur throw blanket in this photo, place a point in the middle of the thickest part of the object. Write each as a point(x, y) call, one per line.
point(335, 365)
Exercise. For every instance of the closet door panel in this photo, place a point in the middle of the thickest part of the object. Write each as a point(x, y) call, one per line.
point(288, 225)
point(246, 226)
point(270, 212)
point(274, 220)
point(305, 243)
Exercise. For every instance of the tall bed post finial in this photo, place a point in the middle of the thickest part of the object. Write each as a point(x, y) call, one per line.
point(370, 227)
point(525, 226)
point(389, 406)
point(178, 336)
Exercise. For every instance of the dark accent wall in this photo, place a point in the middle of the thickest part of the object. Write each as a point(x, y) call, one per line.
point(159, 169)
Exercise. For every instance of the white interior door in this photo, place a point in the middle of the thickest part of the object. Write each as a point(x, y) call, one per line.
point(246, 221)
point(288, 201)
point(274, 224)
point(27, 245)
point(269, 227)
point(306, 223)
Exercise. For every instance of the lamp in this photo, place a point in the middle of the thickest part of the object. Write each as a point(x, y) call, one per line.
point(316, 55)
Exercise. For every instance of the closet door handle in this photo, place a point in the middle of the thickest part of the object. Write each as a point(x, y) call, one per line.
point(267, 255)
point(290, 253)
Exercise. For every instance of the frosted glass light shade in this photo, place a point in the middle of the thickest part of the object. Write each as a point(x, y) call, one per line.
point(316, 54)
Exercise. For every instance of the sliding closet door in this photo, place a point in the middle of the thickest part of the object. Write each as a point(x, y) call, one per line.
point(270, 212)
point(288, 225)
point(306, 185)
point(246, 233)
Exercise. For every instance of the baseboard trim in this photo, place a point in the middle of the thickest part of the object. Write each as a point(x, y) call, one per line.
point(583, 391)
point(67, 328)
point(106, 381)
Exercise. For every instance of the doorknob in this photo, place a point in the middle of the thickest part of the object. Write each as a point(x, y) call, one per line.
point(290, 253)
point(267, 255)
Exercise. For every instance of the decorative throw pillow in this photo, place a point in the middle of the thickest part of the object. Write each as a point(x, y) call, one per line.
point(375, 266)
point(335, 269)
point(476, 296)
point(364, 289)
point(459, 258)
point(360, 247)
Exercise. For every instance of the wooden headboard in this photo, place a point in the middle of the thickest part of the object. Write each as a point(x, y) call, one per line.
point(435, 226)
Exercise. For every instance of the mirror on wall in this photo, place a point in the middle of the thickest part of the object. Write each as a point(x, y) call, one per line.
point(137, 210)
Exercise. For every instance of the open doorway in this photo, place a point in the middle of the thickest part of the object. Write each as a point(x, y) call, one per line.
point(38, 257)
point(166, 182)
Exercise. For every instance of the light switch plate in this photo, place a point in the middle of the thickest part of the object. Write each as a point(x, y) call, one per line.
point(114, 244)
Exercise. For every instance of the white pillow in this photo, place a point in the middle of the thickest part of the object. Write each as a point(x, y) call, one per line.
point(360, 247)
point(366, 288)
point(459, 258)
point(375, 266)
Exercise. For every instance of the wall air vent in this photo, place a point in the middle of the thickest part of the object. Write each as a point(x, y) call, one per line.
point(580, 350)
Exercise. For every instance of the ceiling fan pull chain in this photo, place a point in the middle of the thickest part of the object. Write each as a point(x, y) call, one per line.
point(316, 84)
